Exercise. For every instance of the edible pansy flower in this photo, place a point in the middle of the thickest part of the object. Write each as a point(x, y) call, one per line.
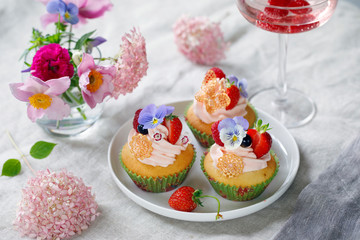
point(94, 80)
point(88, 9)
point(231, 133)
point(69, 12)
point(43, 97)
point(151, 116)
point(242, 85)
point(94, 43)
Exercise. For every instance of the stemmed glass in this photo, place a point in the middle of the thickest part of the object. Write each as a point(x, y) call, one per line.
point(292, 107)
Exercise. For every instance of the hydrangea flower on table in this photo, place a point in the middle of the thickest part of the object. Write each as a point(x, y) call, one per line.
point(59, 57)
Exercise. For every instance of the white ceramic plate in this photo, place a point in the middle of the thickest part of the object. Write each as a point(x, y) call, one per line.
point(284, 146)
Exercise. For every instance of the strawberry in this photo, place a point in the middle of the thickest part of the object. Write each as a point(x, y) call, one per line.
point(136, 118)
point(218, 72)
point(276, 12)
point(300, 3)
point(261, 140)
point(216, 134)
point(213, 73)
point(234, 94)
point(174, 127)
point(186, 199)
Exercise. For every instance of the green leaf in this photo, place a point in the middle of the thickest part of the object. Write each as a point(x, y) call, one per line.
point(41, 149)
point(82, 41)
point(11, 167)
point(60, 26)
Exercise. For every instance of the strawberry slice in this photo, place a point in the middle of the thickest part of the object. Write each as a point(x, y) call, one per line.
point(261, 140)
point(276, 12)
point(234, 94)
point(174, 127)
point(300, 3)
point(270, 24)
point(216, 134)
point(136, 118)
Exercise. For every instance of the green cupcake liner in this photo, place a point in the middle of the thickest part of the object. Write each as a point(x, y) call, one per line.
point(159, 184)
point(238, 193)
point(207, 140)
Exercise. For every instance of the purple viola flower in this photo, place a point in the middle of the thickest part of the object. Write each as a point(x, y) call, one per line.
point(232, 132)
point(94, 43)
point(242, 85)
point(151, 116)
point(69, 12)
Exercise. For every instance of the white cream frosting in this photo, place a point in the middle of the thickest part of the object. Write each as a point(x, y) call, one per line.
point(164, 153)
point(251, 163)
point(220, 114)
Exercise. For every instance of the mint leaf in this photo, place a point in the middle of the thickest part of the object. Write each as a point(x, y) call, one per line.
point(41, 149)
point(11, 168)
point(82, 41)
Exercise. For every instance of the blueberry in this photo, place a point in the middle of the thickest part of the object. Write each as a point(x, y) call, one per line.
point(142, 130)
point(246, 142)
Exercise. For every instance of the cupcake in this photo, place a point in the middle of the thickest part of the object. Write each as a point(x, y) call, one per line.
point(241, 164)
point(157, 155)
point(220, 97)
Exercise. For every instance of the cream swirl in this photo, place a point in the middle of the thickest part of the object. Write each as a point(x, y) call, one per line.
point(220, 114)
point(164, 153)
point(251, 163)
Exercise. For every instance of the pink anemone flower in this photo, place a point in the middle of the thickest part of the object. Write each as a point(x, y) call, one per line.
point(87, 9)
point(95, 80)
point(43, 97)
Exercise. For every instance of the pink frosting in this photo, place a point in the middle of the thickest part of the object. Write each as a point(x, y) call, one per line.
point(251, 163)
point(164, 153)
point(220, 114)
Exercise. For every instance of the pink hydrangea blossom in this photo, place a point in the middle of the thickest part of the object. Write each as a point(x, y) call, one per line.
point(88, 9)
point(52, 61)
point(95, 80)
point(131, 65)
point(43, 97)
point(55, 205)
point(200, 40)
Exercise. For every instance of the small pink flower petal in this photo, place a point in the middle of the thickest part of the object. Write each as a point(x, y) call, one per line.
point(95, 8)
point(34, 85)
point(34, 113)
point(86, 64)
point(48, 18)
point(20, 94)
point(57, 86)
point(89, 99)
point(58, 109)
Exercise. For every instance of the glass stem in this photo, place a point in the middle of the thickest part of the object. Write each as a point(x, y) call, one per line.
point(281, 85)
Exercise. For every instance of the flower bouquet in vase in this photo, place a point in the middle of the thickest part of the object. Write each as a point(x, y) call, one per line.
point(67, 79)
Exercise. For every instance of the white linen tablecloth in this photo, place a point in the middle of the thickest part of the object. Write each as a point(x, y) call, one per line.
point(324, 63)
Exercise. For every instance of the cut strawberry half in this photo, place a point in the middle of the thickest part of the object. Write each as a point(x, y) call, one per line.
point(216, 134)
point(218, 72)
point(261, 140)
point(234, 94)
point(136, 118)
point(174, 127)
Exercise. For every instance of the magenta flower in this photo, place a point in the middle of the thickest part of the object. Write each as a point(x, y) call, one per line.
point(95, 81)
point(200, 40)
point(51, 62)
point(131, 65)
point(87, 9)
point(55, 205)
point(43, 97)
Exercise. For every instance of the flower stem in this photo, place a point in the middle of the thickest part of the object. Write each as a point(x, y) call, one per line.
point(72, 97)
point(70, 37)
point(82, 113)
point(218, 215)
point(20, 152)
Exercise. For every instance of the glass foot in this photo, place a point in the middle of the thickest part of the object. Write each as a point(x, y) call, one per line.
point(294, 111)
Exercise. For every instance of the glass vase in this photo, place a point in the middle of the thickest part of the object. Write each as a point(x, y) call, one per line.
point(81, 118)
